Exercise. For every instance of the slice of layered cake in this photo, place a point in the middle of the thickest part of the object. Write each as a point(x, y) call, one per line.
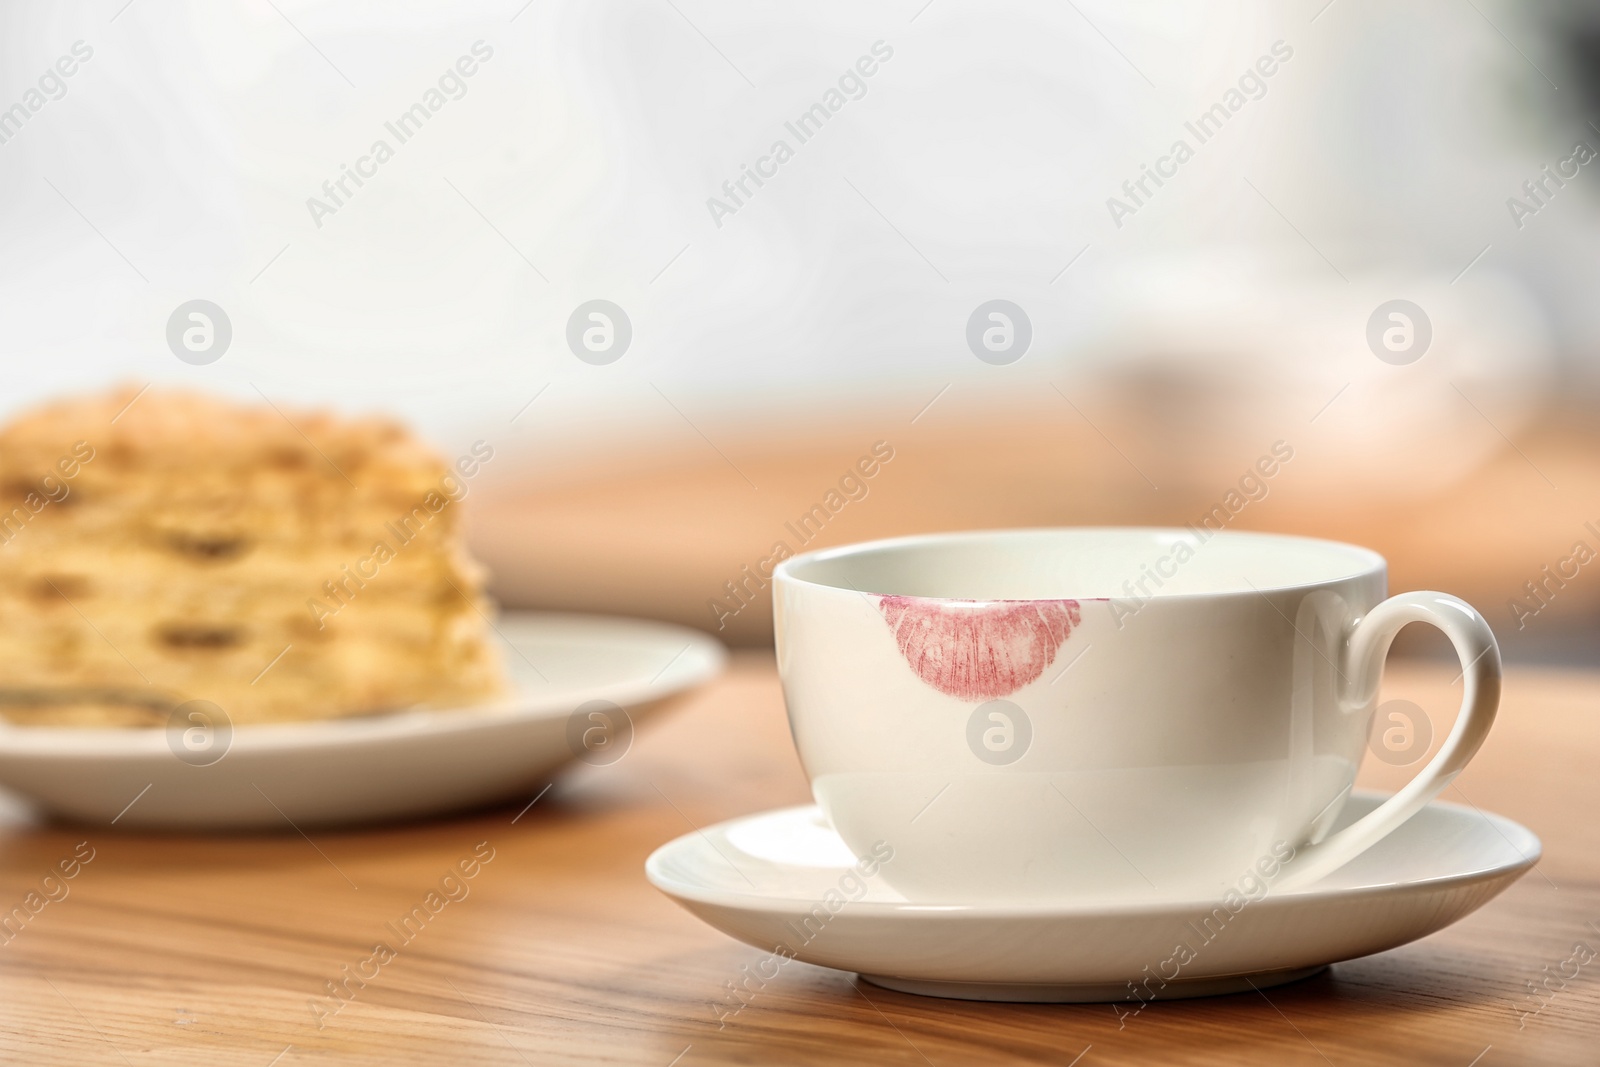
point(164, 547)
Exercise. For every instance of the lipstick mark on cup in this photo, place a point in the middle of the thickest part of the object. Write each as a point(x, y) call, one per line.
point(978, 649)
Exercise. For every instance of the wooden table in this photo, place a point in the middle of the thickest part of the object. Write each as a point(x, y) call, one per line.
point(214, 950)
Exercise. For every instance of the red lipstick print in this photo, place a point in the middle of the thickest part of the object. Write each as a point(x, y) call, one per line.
point(976, 649)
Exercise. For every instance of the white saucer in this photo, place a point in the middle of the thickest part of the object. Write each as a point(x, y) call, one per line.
point(758, 878)
point(405, 763)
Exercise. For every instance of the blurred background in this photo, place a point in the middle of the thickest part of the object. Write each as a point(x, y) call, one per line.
point(1042, 263)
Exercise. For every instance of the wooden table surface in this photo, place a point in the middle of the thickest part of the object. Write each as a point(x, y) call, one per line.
point(215, 950)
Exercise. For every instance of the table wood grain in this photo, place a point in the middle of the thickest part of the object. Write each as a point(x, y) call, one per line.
point(217, 949)
point(570, 538)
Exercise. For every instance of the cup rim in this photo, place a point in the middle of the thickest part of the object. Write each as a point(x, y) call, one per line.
point(1364, 561)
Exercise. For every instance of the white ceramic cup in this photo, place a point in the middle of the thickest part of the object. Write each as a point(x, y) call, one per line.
point(1104, 713)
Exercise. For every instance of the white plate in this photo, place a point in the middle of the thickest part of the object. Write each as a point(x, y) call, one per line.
point(389, 766)
point(762, 879)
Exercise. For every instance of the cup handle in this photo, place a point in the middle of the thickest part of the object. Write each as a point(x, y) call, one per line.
point(1363, 657)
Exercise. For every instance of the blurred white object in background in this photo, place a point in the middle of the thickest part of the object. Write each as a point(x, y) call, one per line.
point(1222, 353)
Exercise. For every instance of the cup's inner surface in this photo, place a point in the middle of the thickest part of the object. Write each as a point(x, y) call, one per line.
point(1084, 564)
